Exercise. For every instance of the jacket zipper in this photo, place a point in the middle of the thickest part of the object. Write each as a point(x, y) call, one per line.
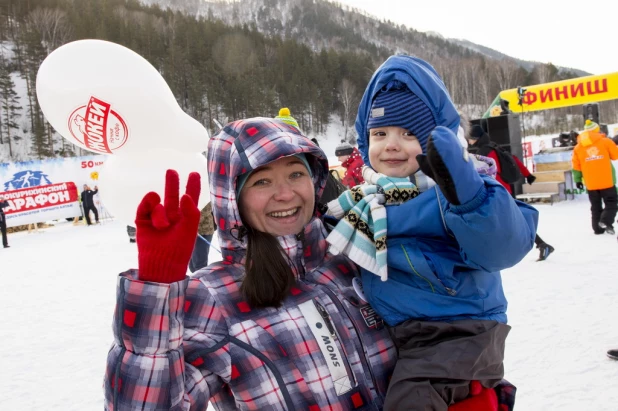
point(273, 369)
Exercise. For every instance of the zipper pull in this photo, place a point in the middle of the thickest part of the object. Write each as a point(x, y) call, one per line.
point(326, 318)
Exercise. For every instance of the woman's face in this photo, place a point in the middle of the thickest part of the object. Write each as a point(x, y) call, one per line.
point(278, 198)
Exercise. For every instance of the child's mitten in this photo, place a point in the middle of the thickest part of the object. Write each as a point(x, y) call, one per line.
point(481, 399)
point(450, 166)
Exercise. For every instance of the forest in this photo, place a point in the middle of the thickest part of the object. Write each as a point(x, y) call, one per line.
point(223, 70)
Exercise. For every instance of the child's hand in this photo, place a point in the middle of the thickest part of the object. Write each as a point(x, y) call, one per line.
point(450, 165)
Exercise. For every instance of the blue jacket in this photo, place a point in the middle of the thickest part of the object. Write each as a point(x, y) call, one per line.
point(444, 261)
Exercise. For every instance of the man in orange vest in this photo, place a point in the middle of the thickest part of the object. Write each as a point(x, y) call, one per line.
point(592, 162)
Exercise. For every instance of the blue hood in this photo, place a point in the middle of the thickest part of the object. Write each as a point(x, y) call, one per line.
point(422, 80)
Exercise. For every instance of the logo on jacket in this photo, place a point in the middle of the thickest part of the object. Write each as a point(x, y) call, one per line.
point(25, 179)
point(98, 127)
point(593, 154)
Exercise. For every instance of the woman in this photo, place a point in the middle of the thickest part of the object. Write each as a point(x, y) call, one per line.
point(277, 325)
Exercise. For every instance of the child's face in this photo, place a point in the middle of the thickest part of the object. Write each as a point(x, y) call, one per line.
point(393, 151)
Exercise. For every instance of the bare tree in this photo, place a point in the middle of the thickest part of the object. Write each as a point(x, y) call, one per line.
point(53, 26)
point(348, 96)
point(543, 73)
point(506, 74)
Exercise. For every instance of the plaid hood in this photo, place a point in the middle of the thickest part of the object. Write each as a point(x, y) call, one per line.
point(241, 147)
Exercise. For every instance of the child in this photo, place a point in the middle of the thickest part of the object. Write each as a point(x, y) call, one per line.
point(430, 252)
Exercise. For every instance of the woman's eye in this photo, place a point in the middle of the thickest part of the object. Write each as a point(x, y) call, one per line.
point(260, 182)
point(297, 174)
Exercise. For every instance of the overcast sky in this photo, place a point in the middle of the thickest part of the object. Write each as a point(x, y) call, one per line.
point(578, 34)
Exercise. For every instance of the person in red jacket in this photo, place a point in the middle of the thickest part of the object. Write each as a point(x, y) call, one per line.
point(478, 141)
point(351, 160)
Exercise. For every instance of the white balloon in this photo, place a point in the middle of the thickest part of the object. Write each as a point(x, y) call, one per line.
point(108, 99)
point(125, 179)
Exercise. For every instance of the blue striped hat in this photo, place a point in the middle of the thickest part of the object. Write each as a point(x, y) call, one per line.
point(396, 105)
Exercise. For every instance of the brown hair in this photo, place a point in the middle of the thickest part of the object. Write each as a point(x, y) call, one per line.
point(268, 276)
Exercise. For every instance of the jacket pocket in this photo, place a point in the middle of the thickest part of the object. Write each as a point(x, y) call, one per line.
point(413, 262)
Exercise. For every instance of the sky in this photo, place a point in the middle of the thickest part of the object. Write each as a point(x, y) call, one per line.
point(577, 34)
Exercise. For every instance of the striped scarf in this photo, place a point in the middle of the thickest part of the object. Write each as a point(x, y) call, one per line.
point(361, 231)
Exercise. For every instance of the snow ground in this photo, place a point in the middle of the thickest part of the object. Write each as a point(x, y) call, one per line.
point(58, 299)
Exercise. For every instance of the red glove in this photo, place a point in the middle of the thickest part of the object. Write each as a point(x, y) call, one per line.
point(166, 233)
point(481, 399)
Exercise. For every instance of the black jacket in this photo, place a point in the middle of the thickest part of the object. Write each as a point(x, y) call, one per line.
point(87, 200)
point(3, 204)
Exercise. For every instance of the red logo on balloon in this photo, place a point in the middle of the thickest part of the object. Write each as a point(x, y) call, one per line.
point(98, 127)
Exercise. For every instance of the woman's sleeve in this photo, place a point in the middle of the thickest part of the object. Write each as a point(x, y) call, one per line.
point(170, 350)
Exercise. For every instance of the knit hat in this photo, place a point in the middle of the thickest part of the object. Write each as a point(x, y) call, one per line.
point(476, 132)
point(591, 126)
point(242, 179)
point(344, 149)
point(284, 115)
point(396, 105)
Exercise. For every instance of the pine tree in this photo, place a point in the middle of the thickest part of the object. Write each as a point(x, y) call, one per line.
point(9, 102)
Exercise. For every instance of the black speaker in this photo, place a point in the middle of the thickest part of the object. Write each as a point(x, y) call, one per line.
point(505, 131)
point(591, 112)
point(604, 129)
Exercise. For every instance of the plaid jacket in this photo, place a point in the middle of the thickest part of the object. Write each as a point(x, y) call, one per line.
point(180, 345)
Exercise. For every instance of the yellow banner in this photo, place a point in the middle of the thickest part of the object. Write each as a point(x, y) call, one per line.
point(564, 93)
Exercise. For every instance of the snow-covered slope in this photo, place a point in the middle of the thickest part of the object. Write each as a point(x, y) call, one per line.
point(58, 293)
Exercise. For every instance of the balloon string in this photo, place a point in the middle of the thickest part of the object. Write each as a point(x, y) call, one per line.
point(210, 244)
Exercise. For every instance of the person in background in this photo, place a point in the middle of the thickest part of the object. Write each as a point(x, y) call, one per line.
point(286, 117)
point(479, 144)
point(131, 231)
point(592, 165)
point(478, 141)
point(351, 160)
point(3, 204)
point(205, 231)
point(88, 203)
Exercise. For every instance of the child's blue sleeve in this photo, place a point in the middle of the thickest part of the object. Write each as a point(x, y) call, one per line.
point(493, 230)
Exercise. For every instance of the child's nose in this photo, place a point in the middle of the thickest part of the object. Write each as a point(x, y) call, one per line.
point(392, 143)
